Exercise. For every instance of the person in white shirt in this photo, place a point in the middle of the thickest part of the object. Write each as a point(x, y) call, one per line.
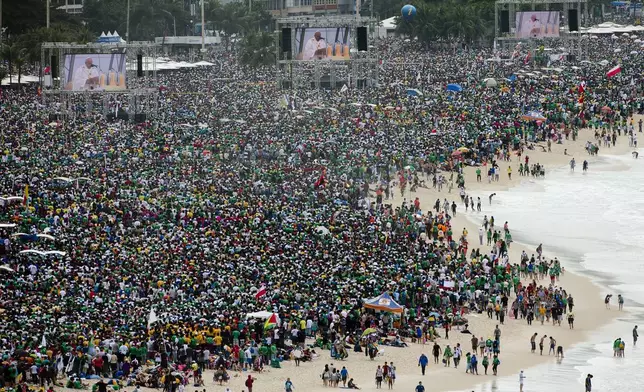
point(534, 25)
point(315, 47)
point(521, 378)
point(86, 77)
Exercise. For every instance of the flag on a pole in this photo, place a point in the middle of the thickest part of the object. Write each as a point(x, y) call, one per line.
point(152, 318)
point(25, 198)
point(613, 71)
point(271, 322)
point(344, 88)
point(43, 342)
point(261, 292)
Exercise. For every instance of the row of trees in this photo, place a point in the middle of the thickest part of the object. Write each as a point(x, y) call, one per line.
point(24, 23)
point(468, 21)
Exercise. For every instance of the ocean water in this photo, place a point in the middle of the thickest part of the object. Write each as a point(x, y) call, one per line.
point(593, 222)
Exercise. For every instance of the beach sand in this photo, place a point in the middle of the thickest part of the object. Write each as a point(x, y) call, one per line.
point(589, 310)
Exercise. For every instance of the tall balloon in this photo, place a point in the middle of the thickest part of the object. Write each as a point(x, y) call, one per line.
point(408, 12)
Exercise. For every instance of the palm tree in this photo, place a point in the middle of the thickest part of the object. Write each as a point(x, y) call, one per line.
point(8, 54)
point(258, 49)
point(19, 61)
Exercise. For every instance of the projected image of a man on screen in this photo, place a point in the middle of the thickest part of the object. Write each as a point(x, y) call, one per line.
point(535, 26)
point(315, 47)
point(86, 77)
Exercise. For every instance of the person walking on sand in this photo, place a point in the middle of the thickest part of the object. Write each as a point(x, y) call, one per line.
point(572, 165)
point(521, 381)
point(436, 352)
point(589, 383)
point(378, 377)
point(541, 344)
point(420, 387)
point(422, 362)
point(553, 344)
point(607, 300)
point(447, 356)
point(620, 301)
point(495, 364)
point(635, 336)
point(249, 383)
point(344, 374)
point(533, 343)
point(288, 385)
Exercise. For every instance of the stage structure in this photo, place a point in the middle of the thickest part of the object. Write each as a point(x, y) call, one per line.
point(114, 79)
point(553, 24)
point(326, 52)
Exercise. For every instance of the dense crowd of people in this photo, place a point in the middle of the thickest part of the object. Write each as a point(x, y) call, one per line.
point(228, 191)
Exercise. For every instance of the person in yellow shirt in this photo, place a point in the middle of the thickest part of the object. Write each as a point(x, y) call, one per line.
point(509, 172)
point(217, 339)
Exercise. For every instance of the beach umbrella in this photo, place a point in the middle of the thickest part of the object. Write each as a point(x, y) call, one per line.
point(606, 109)
point(463, 149)
point(6, 268)
point(637, 41)
point(490, 82)
point(369, 331)
point(454, 87)
point(456, 153)
point(412, 92)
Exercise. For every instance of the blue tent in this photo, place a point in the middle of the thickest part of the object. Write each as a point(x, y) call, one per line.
point(412, 92)
point(383, 302)
point(454, 87)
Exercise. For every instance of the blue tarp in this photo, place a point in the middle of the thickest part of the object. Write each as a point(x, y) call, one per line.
point(454, 87)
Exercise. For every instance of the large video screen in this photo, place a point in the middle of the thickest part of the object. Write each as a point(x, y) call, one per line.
point(537, 24)
point(94, 72)
point(331, 43)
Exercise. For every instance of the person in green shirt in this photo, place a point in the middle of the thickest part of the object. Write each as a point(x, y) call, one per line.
point(447, 356)
point(486, 363)
point(263, 351)
point(236, 337)
point(495, 364)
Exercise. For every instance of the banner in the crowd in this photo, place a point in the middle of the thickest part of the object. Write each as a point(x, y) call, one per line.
point(537, 24)
point(94, 72)
point(325, 43)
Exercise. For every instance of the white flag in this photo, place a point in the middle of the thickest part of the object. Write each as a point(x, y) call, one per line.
point(43, 342)
point(344, 88)
point(152, 318)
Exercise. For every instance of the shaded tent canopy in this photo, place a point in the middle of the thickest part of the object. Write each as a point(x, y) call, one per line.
point(384, 303)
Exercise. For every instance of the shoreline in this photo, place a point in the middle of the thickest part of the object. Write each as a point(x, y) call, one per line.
point(588, 318)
